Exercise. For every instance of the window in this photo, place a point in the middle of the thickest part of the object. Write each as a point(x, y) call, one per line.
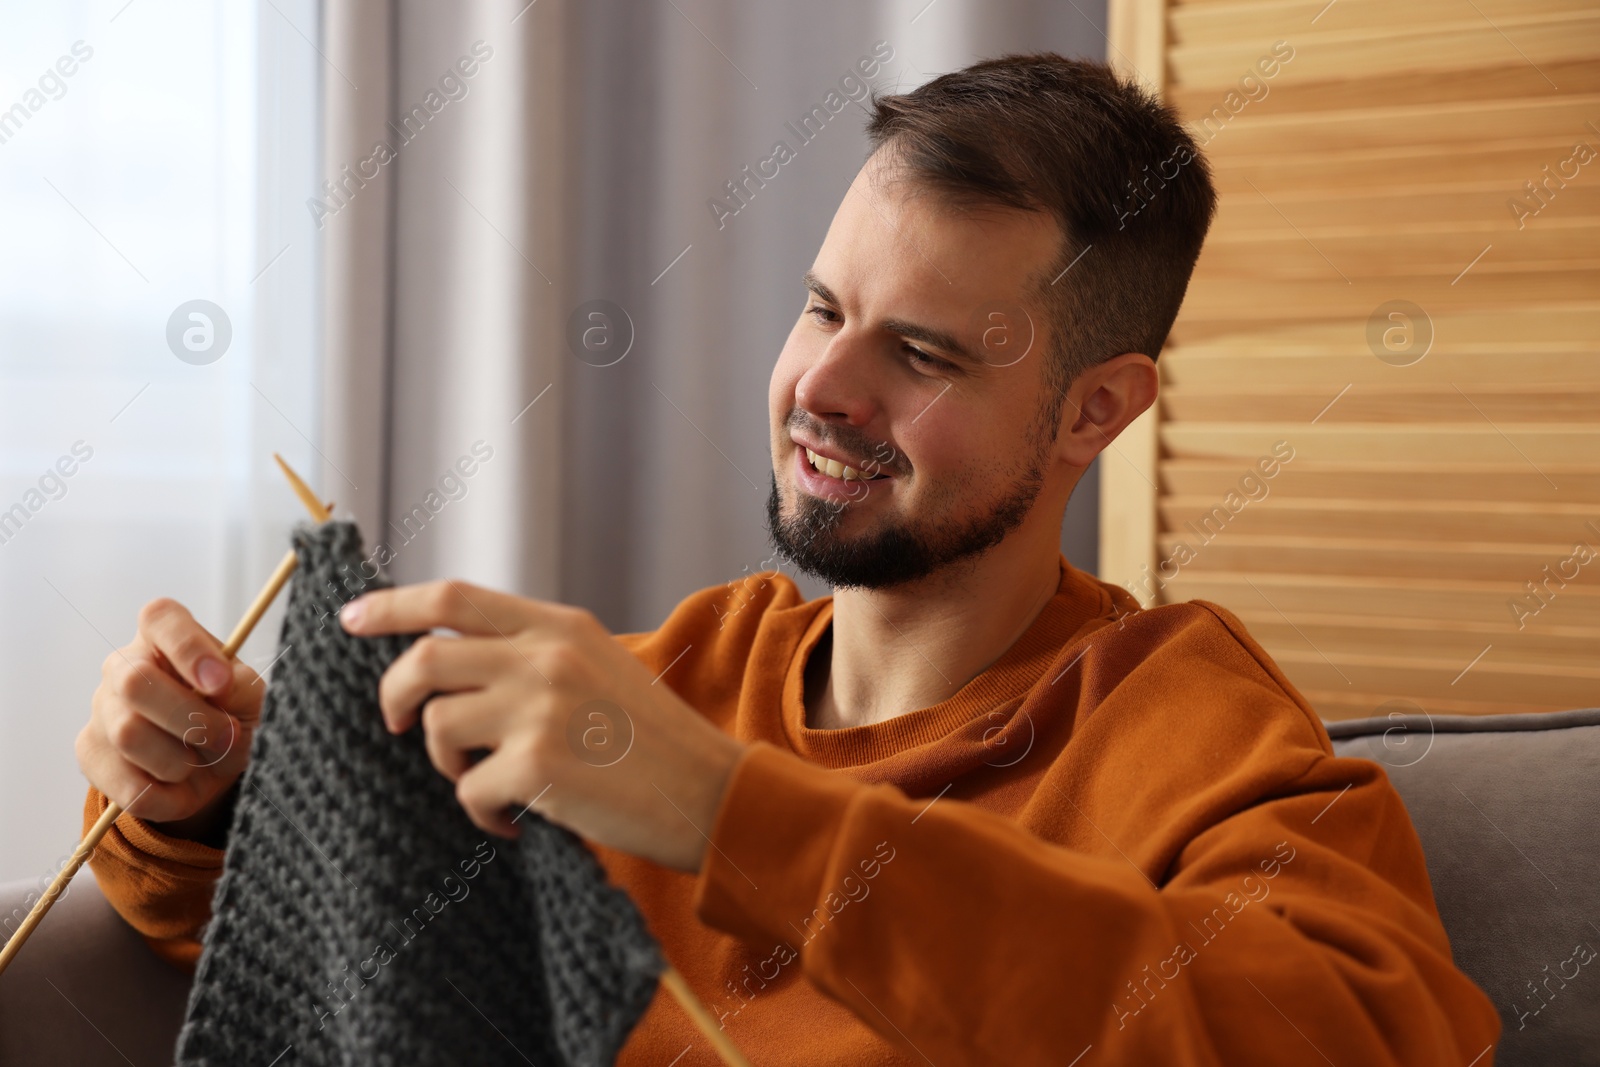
point(151, 157)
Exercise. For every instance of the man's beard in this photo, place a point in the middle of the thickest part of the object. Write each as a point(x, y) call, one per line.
point(897, 552)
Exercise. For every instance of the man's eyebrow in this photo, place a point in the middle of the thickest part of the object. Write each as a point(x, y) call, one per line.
point(928, 335)
point(814, 283)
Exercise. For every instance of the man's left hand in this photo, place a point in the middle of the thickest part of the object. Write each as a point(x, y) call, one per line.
point(573, 725)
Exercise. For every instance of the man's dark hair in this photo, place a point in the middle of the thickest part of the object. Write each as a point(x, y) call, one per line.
point(1107, 158)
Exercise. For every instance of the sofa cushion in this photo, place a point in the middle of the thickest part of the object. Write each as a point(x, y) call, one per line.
point(1506, 808)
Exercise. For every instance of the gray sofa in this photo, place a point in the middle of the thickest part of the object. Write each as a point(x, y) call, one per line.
point(1505, 807)
point(85, 990)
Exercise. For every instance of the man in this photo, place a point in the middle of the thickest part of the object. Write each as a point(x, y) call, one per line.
point(976, 807)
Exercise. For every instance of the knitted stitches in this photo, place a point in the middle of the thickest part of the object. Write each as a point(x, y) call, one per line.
point(361, 918)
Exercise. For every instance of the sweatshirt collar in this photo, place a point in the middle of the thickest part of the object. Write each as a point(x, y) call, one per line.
point(972, 726)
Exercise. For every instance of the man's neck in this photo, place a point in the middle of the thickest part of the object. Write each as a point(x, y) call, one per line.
point(897, 650)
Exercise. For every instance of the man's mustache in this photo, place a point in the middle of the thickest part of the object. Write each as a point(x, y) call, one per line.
point(874, 457)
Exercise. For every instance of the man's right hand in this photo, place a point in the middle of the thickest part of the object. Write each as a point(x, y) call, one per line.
point(170, 724)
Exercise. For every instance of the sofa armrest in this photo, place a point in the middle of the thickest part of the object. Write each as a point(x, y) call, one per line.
point(85, 989)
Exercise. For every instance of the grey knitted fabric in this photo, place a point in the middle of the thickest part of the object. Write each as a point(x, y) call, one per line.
point(361, 918)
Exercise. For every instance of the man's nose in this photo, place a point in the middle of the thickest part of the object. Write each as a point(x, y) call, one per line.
point(841, 382)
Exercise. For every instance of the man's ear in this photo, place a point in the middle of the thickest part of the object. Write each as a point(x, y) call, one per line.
point(1101, 402)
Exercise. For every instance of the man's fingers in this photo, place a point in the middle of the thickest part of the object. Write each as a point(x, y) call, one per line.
point(129, 786)
point(436, 664)
point(148, 747)
point(459, 724)
point(243, 699)
point(488, 794)
point(456, 605)
point(139, 687)
point(192, 650)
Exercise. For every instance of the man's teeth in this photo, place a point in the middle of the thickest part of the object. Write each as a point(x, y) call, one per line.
point(834, 468)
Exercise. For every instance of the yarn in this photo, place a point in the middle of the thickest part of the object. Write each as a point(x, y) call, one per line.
point(361, 918)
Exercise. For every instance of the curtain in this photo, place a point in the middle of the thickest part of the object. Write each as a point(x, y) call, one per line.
point(541, 270)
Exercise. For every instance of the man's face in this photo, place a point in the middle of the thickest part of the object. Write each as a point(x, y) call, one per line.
point(918, 360)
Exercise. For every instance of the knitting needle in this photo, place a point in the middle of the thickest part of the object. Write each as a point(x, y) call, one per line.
point(303, 491)
point(230, 649)
point(679, 988)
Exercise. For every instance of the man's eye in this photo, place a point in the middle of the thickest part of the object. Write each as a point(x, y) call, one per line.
point(818, 311)
point(921, 358)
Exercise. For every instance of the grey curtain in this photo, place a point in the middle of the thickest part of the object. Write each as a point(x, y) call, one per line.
point(541, 270)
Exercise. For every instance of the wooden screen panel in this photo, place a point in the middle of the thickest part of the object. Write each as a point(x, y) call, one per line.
point(1435, 536)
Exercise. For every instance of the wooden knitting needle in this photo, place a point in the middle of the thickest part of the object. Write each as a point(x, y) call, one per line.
point(230, 649)
point(702, 1019)
point(303, 491)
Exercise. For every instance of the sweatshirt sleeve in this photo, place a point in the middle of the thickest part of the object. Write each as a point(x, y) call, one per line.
point(161, 885)
point(1298, 929)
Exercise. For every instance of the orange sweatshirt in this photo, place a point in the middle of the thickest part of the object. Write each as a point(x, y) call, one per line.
point(1128, 840)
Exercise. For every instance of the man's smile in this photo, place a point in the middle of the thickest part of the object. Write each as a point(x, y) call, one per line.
point(829, 471)
point(815, 474)
point(834, 467)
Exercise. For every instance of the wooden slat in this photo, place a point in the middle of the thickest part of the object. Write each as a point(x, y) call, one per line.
point(1128, 502)
point(1415, 249)
point(1516, 521)
point(1471, 42)
point(1487, 681)
point(1241, 553)
point(1401, 212)
point(1536, 443)
point(1225, 301)
point(1507, 162)
point(1423, 638)
point(1469, 124)
point(1224, 24)
point(1514, 78)
point(1397, 596)
point(1509, 332)
point(1136, 36)
point(1180, 368)
point(1378, 483)
point(1497, 402)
